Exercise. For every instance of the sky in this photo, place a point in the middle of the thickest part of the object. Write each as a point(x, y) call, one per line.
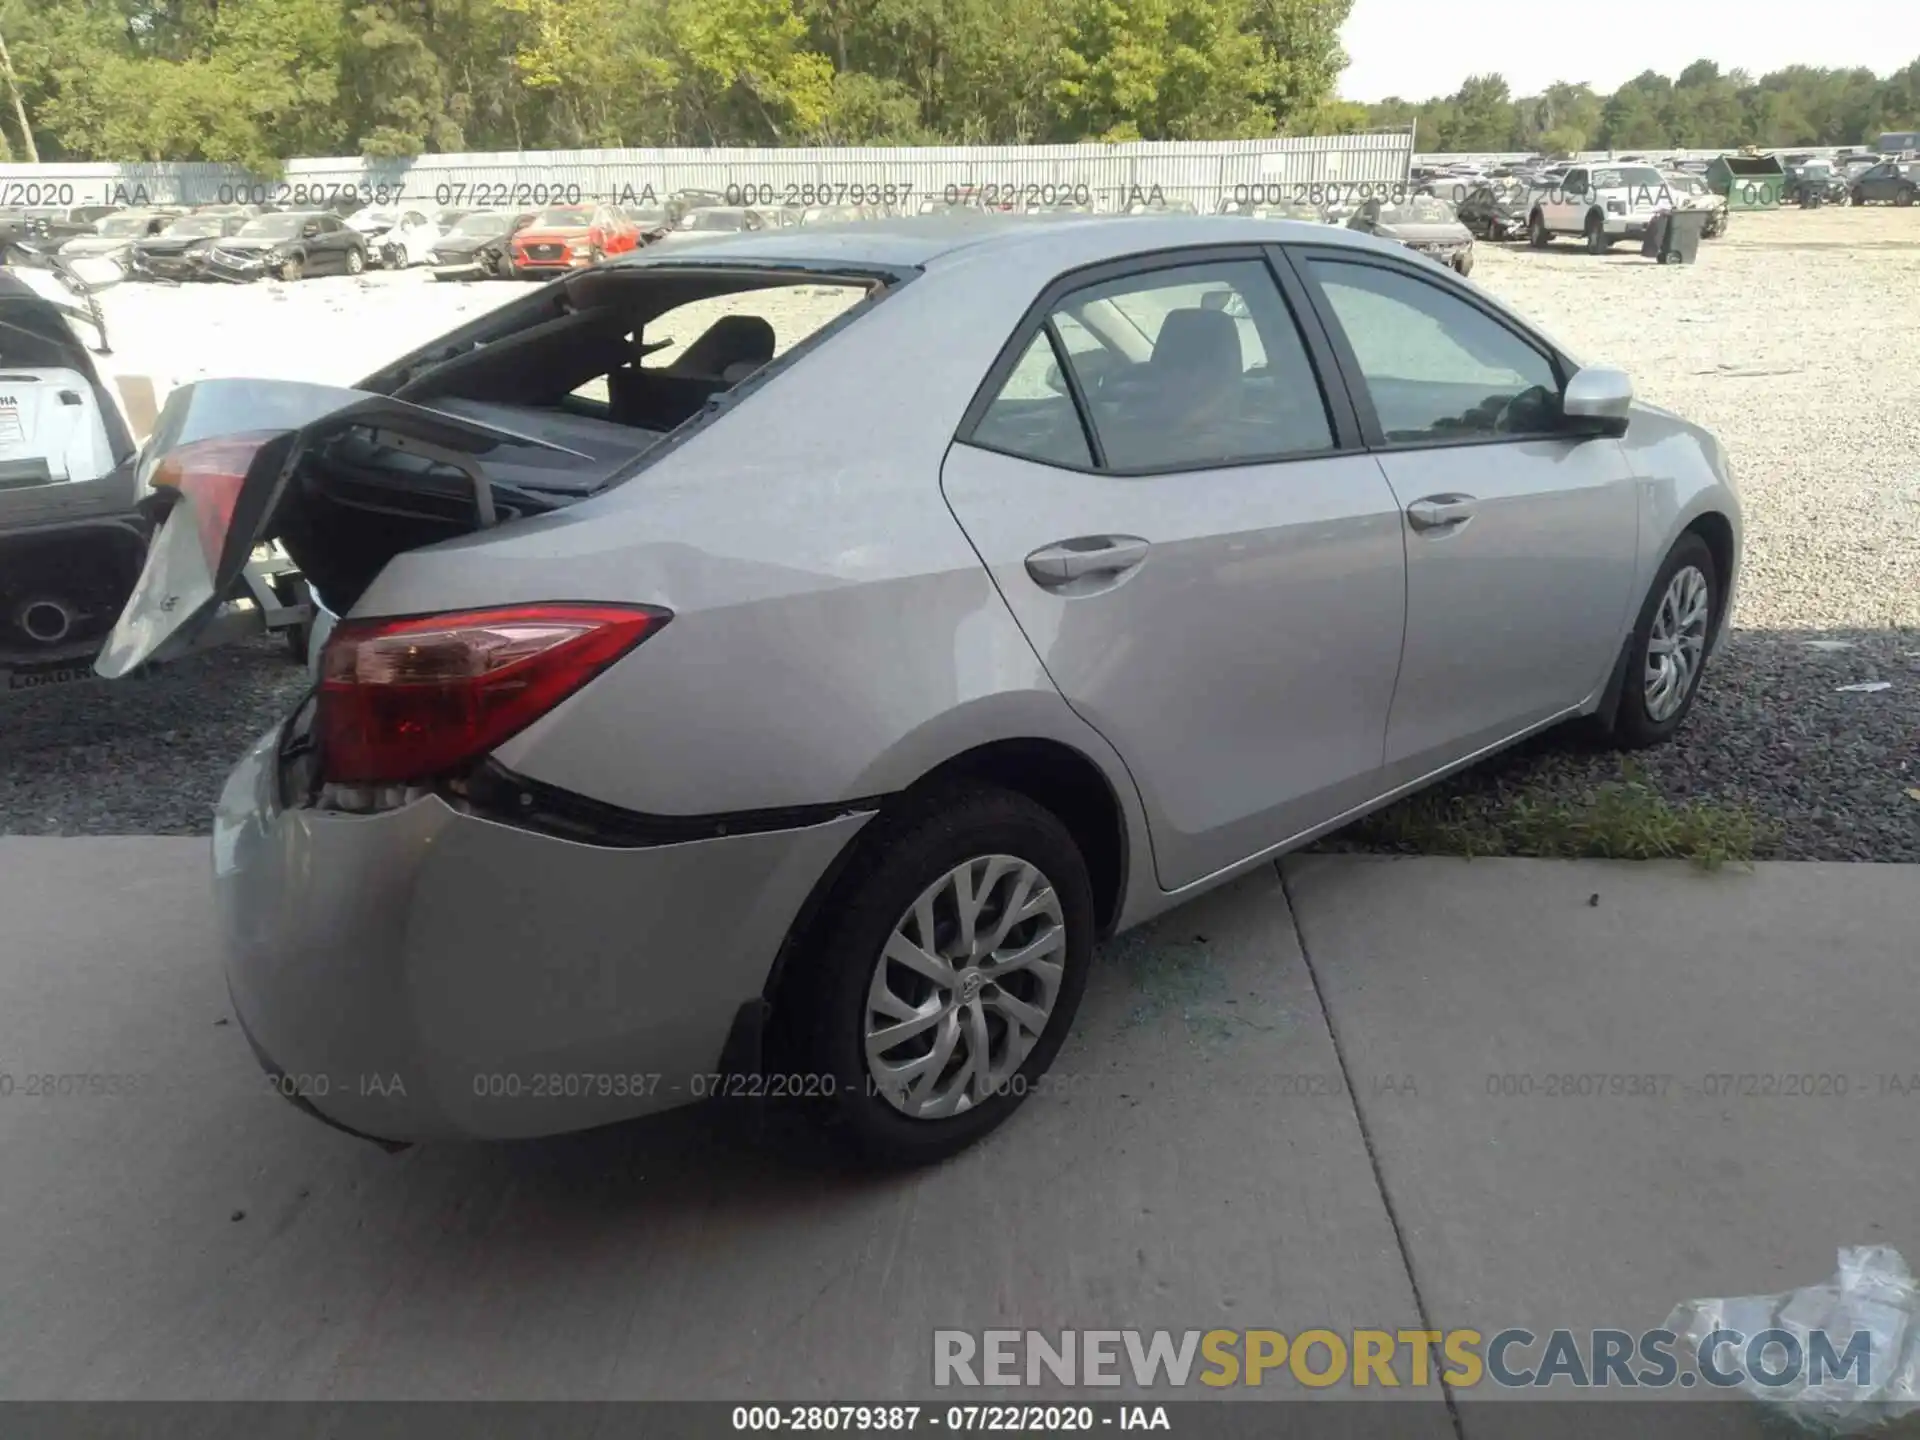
point(1417, 49)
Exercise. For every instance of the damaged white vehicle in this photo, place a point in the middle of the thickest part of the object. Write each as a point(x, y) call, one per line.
point(73, 529)
point(396, 238)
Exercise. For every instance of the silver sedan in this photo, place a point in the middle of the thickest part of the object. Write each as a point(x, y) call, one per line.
point(768, 669)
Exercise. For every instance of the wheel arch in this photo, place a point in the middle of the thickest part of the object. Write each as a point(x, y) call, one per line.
point(1717, 530)
point(1051, 773)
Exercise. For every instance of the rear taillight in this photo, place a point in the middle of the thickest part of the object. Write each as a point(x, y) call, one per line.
point(405, 701)
point(208, 476)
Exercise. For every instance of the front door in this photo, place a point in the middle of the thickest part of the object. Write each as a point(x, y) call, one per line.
point(1211, 571)
point(1521, 539)
point(1566, 202)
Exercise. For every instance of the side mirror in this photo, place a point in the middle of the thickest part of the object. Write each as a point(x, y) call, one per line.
point(1597, 401)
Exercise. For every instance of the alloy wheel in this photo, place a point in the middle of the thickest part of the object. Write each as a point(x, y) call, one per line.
point(964, 987)
point(1676, 643)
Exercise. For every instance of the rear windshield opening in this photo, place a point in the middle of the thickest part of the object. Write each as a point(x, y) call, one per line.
point(633, 350)
point(602, 365)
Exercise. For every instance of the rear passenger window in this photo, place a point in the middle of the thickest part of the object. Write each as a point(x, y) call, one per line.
point(1195, 366)
point(1034, 415)
point(1180, 368)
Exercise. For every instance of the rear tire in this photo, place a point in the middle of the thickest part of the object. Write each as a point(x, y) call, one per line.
point(1538, 236)
point(830, 993)
point(1905, 197)
point(1597, 242)
point(1647, 714)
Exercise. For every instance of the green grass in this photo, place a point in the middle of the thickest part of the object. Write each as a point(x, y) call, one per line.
point(1625, 819)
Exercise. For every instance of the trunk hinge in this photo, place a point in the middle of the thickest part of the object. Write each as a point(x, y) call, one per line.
point(459, 460)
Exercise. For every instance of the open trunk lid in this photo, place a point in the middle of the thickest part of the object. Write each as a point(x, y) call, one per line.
point(229, 463)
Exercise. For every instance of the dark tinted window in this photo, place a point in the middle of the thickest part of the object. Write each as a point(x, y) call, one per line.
point(1436, 367)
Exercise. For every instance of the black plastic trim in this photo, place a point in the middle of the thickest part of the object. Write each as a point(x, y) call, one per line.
point(494, 792)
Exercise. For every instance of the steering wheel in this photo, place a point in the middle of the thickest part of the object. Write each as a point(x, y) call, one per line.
point(1532, 401)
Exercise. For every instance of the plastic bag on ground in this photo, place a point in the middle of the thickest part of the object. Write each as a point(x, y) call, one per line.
point(1873, 1293)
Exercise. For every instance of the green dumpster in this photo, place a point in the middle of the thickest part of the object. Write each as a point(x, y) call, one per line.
point(1750, 182)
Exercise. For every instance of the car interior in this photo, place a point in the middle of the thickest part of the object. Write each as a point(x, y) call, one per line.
point(1173, 375)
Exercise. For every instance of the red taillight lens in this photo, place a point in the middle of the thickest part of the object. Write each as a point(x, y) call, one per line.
point(405, 701)
point(209, 475)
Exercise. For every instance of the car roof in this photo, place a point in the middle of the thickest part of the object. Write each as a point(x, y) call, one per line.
point(1050, 243)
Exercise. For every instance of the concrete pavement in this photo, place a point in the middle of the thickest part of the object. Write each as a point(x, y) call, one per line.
point(1200, 1161)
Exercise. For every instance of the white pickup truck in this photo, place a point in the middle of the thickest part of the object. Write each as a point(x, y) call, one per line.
point(1603, 203)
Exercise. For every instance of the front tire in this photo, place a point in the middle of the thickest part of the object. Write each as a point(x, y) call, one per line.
point(1905, 197)
point(948, 967)
point(1538, 236)
point(356, 262)
point(292, 268)
point(1668, 652)
point(1597, 242)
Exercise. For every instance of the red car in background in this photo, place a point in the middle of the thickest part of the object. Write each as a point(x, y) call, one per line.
point(569, 237)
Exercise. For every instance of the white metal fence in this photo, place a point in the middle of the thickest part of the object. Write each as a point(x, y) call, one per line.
point(1107, 177)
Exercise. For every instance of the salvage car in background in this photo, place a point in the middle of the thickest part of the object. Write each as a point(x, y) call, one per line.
point(408, 242)
point(1815, 183)
point(1692, 192)
point(395, 237)
point(71, 538)
point(1496, 209)
point(711, 222)
point(179, 251)
point(479, 246)
point(612, 582)
point(52, 226)
point(1602, 204)
point(1424, 224)
point(566, 237)
point(102, 256)
point(289, 245)
point(1891, 182)
point(681, 201)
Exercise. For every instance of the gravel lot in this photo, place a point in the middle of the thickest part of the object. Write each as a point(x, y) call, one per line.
point(1797, 339)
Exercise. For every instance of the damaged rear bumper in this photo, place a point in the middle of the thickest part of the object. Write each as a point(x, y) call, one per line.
point(426, 973)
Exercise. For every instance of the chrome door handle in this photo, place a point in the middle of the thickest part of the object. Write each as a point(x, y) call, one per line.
point(1069, 560)
point(1437, 512)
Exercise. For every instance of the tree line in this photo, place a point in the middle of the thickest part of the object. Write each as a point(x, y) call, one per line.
point(258, 81)
point(1702, 108)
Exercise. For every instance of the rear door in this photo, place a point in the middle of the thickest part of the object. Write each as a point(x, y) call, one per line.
point(1178, 512)
point(1521, 540)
